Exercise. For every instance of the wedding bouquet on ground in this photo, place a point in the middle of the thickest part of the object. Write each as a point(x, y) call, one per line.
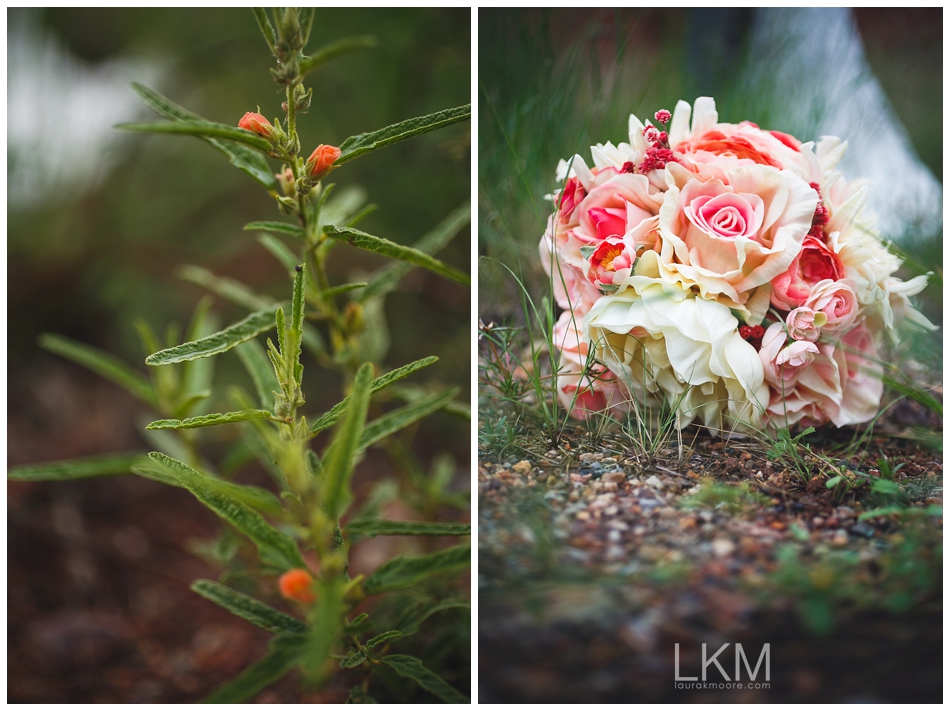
point(724, 271)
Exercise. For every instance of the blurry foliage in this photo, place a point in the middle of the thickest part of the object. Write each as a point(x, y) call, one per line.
point(86, 266)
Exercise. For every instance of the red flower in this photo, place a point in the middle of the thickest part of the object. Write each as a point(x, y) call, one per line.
point(297, 584)
point(255, 123)
point(321, 160)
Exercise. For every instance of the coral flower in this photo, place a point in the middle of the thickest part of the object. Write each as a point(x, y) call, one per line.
point(255, 123)
point(297, 584)
point(321, 160)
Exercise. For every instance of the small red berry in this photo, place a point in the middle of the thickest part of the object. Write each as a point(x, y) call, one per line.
point(627, 167)
point(663, 116)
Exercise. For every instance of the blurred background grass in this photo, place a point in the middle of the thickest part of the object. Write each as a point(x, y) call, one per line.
point(97, 220)
point(554, 82)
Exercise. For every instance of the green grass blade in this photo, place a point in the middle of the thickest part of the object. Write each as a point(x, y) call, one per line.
point(406, 571)
point(411, 668)
point(197, 376)
point(245, 607)
point(334, 50)
point(378, 527)
point(244, 330)
point(285, 653)
point(356, 146)
point(258, 366)
point(247, 160)
point(371, 243)
point(394, 421)
point(328, 419)
point(201, 129)
point(100, 362)
point(216, 418)
point(338, 466)
point(82, 468)
point(296, 321)
point(284, 228)
point(225, 287)
point(276, 548)
point(385, 280)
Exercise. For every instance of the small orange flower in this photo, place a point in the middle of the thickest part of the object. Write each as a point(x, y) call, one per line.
point(321, 160)
point(255, 123)
point(297, 584)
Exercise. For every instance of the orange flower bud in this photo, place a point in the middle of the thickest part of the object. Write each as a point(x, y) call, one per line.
point(321, 160)
point(255, 123)
point(297, 584)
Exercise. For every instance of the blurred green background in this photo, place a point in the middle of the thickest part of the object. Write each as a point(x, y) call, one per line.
point(554, 82)
point(98, 220)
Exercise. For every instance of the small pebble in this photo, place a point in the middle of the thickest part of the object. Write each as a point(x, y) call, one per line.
point(840, 538)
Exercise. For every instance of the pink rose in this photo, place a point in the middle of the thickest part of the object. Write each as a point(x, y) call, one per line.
point(811, 265)
point(745, 141)
point(571, 197)
point(727, 215)
point(584, 393)
point(804, 324)
point(837, 301)
point(611, 263)
point(567, 269)
point(733, 235)
point(616, 207)
point(864, 385)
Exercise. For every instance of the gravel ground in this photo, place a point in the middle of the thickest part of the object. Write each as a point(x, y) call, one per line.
point(610, 559)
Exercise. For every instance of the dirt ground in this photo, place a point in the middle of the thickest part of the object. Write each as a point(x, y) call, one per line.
point(595, 562)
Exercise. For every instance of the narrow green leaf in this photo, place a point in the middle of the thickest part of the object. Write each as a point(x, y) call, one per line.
point(410, 393)
point(63, 470)
point(343, 288)
point(886, 511)
point(915, 393)
point(245, 607)
point(202, 129)
point(225, 287)
point(326, 632)
point(296, 315)
point(219, 342)
point(285, 653)
point(216, 418)
point(384, 637)
point(354, 660)
point(100, 362)
point(280, 250)
point(243, 158)
point(267, 29)
point(413, 626)
point(378, 384)
point(197, 376)
point(356, 146)
point(833, 482)
point(306, 22)
point(357, 217)
point(370, 243)
point(252, 496)
point(338, 466)
point(396, 420)
point(411, 668)
point(334, 50)
point(284, 228)
point(882, 486)
point(377, 527)
point(276, 548)
point(385, 279)
point(406, 571)
point(258, 366)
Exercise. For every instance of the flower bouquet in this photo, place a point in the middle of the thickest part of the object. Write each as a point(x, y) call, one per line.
point(727, 272)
